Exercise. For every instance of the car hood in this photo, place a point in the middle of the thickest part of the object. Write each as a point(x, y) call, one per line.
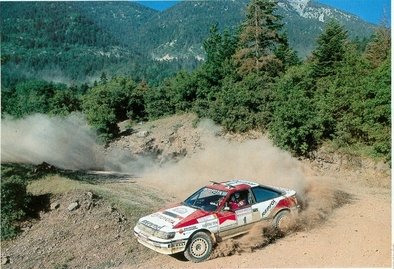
point(175, 217)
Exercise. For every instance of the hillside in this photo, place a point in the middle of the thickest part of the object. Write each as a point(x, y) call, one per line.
point(75, 42)
point(181, 34)
point(309, 18)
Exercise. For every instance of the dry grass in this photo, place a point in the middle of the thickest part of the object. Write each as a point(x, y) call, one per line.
point(129, 196)
point(55, 185)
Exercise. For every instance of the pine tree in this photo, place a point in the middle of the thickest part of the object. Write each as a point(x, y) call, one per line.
point(330, 51)
point(259, 39)
point(219, 48)
point(379, 49)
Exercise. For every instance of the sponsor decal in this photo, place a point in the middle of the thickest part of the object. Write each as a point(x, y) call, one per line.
point(217, 192)
point(187, 229)
point(180, 210)
point(269, 207)
point(243, 211)
point(210, 224)
point(151, 225)
point(156, 244)
point(190, 228)
point(206, 218)
point(161, 216)
point(168, 213)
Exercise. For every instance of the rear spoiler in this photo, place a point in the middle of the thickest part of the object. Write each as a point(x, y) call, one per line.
point(219, 183)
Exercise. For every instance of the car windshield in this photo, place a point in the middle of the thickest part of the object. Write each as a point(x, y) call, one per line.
point(206, 199)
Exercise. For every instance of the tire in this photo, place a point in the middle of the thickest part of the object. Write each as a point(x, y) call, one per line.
point(199, 247)
point(283, 221)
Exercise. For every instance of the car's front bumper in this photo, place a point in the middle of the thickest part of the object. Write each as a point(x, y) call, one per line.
point(162, 246)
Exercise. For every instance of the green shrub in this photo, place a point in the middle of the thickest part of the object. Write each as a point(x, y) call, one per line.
point(111, 102)
point(14, 200)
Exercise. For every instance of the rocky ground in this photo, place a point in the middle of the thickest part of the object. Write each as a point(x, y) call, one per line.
point(89, 224)
point(79, 230)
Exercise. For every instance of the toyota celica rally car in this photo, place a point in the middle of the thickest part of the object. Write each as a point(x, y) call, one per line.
point(213, 213)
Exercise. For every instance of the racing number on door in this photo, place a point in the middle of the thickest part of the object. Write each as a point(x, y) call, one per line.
point(244, 215)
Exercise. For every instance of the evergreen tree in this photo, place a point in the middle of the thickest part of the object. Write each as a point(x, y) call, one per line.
point(286, 55)
point(295, 125)
point(103, 78)
point(259, 39)
point(379, 49)
point(219, 48)
point(331, 46)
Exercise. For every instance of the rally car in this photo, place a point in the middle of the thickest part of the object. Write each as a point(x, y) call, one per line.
point(213, 213)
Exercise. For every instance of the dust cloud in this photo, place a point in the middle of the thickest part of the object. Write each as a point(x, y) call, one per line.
point(256, 160)
point(220, 159)
point(65, 142)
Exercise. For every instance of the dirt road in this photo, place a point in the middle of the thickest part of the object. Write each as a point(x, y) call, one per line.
point(358, 234)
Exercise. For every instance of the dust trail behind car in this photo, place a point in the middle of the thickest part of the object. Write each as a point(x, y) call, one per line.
point(256, 160)
point(65, 142)
point(71, 144)
point(222, 159)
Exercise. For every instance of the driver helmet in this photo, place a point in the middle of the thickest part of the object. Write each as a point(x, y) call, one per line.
point(237, 195)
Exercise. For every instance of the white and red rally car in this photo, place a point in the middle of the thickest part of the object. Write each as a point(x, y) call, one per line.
point(213, 213)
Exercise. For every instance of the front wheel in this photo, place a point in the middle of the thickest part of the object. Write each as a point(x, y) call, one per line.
point(199, 248)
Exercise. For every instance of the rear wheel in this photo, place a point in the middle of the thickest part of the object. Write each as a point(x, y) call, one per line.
point(199, 248)
point(283, 221)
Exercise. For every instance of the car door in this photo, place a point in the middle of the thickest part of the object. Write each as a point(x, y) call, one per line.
point(245, 214)
point(236, 221)
point(227, 220)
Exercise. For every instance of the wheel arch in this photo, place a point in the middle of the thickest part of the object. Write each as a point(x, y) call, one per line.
point(282, 210)
point(208, 232)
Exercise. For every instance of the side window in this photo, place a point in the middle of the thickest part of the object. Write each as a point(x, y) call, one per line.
point(262, 194)
point(239, 200)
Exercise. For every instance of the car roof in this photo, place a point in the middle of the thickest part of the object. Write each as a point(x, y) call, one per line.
point(235, 184)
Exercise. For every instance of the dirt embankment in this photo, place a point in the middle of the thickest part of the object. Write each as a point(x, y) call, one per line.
point(346, 221)
point(79, 229)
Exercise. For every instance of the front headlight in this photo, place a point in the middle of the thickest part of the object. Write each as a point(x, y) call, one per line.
point(165, 235)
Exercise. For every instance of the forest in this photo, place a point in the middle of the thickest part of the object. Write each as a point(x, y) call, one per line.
point(251, 79)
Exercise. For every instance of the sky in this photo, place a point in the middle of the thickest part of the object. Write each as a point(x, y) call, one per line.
point(369, 10)
point(158, 5)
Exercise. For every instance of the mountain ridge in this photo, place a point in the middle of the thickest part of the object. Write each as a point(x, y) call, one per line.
point(131, 38)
